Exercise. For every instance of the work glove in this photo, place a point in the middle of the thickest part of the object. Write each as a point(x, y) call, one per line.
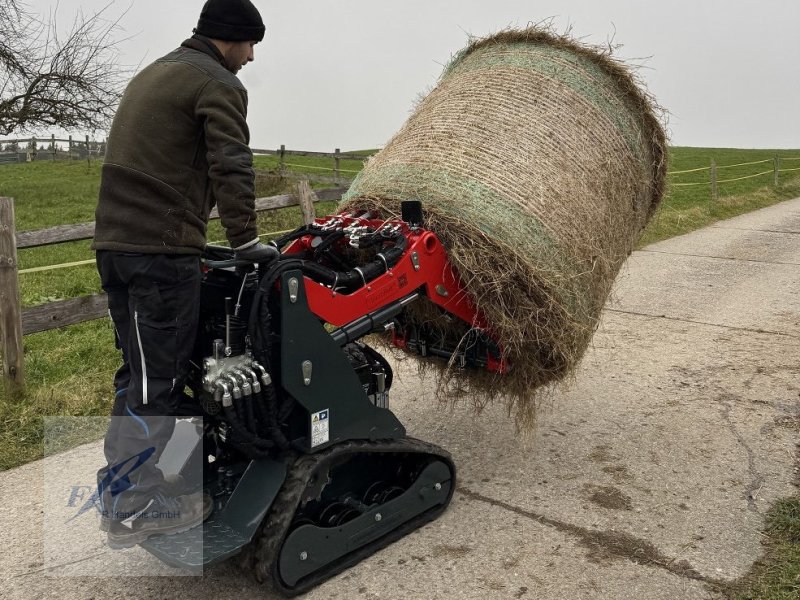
point(257, 253)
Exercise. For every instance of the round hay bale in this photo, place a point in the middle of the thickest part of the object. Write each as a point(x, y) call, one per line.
point(538, 161)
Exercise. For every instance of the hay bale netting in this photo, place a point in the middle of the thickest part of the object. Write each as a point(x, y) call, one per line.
point(538, 161)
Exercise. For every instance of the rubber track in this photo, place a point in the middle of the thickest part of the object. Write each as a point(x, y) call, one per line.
point(262, 556)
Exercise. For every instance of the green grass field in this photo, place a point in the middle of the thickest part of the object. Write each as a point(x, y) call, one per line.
point(776, 576)
point(69, 370)
point(686, 208)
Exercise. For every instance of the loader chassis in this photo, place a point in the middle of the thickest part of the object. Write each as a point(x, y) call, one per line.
point(309, 469)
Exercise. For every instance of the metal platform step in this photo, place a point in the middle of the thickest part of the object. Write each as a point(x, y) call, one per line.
point(227, 530)
point(214, 541)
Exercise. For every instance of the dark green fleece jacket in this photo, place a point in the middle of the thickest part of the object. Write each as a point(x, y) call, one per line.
point(178, 145)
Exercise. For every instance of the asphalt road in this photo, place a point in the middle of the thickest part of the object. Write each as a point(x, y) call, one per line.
point(647, 477)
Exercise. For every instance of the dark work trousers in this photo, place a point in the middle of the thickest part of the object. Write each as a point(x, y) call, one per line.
point(154, 301)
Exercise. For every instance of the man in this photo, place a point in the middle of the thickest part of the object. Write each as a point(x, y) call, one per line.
point(177, 146)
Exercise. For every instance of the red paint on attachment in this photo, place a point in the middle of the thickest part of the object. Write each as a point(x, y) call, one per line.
point(432, 276)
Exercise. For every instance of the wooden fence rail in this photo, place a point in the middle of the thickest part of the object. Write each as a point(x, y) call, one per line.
point(85, 231)
point(64, 312)
point(16, 322)
point(333, 155)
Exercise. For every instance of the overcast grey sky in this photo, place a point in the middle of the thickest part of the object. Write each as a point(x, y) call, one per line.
point(345, 73)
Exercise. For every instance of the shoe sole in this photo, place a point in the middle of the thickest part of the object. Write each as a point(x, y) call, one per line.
point(174, 485)
point(122, 542)
point(105, 522)
point(135, 539)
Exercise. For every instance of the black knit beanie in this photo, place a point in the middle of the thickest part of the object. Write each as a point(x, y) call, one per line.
point(231, 20)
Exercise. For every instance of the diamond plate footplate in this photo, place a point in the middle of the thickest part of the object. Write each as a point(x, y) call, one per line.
point(212, 542)
point(228, 529)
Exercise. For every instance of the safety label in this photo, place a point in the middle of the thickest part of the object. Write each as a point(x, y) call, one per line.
point(320, 427)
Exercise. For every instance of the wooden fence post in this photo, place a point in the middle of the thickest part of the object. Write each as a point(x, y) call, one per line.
point(306, 197)
point(776, 164)
point(336, 165)
point(70, 146)
point(713, 180)
point(10, 311)
point(53, 144)
point(88, 153)
point(282, 153)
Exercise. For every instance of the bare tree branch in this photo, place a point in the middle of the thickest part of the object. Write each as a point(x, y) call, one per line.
point(51, 80)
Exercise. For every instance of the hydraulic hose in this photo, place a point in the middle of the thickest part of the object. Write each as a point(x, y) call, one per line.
point(240, 434)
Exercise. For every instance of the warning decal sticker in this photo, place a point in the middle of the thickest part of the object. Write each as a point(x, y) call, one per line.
point(320, 428)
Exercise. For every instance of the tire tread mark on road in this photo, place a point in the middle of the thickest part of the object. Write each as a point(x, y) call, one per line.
point(607, 544)
point(730, 258)
point(789, 232)
point(58, 566)
point(732, 327)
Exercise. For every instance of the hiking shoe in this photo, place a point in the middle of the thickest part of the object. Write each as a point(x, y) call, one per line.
point(174, 485)
point(162, 515)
